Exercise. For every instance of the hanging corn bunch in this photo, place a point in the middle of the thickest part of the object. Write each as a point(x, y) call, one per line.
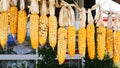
point(116, 50)
point(109, 37)
point(71, 31)
point(34, 22)
point(43, 24)
point(22, 22)
point(52, 25)
point(101, 36)
point(90, 36)
point(82, 33)
point(4, 23)
point(62, 38)
point(13, 17)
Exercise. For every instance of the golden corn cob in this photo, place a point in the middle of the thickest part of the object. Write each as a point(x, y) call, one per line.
point(34, 21)
point(52, 31)
point(90, 40)
point(22, 22)
point(71, 40)
point(101, 32)
point(43, 29)
point(13, 19)
point(116, 52)
point(82, 41)
point(109, 42)
point(4, 32)
point(62, 45)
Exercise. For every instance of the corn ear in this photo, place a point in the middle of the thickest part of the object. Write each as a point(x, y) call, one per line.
point(13, 19)
point(34, 21)
point(91, 40)
point(52, 31)
point(62, 45)
point(71, 40)
point(82, 41)
point(109, 42)
point(22, 22)
point(101, 34)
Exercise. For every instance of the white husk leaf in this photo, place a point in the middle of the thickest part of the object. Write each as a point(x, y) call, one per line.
point(109, 24)
point(90, 17)
point(52, 7)
point(5, 5)
point(22, 4)
point(34, 8)
point(44, 10)
point(72, 16)
point(61, 17)
point(82, 19)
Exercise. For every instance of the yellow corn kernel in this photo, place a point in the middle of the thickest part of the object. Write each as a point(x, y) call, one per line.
point(82, 41)
point(34, 21)
point(91, 40)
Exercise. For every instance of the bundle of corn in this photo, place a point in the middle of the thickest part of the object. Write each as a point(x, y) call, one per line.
point(4, 23)
point(13, 17)
point(116, 49)
point(101, 36)
point(52, 25)
point(34, 22)
point(22, 22)
point(109, 37)
point(82, 33)
point(43, 24)
point(90, 36)
point(62, 38)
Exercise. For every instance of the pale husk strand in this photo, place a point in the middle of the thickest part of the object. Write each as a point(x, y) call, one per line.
point(22, 4)
point(34, 8)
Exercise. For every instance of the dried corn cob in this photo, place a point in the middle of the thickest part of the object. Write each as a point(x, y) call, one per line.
point(101, 32)
point(34, 22)
point(90, 36)
point(4, 32)
point(13, 19)
point(52, 25)
point(90, 40)
point(82, 41)
point(109, 42)
point(71, 35)
point(71, 40)
point(43, 29)
point(82, 33)
point(62, 44)
point(43, 24)
point(22, 22)
point(52, 31)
